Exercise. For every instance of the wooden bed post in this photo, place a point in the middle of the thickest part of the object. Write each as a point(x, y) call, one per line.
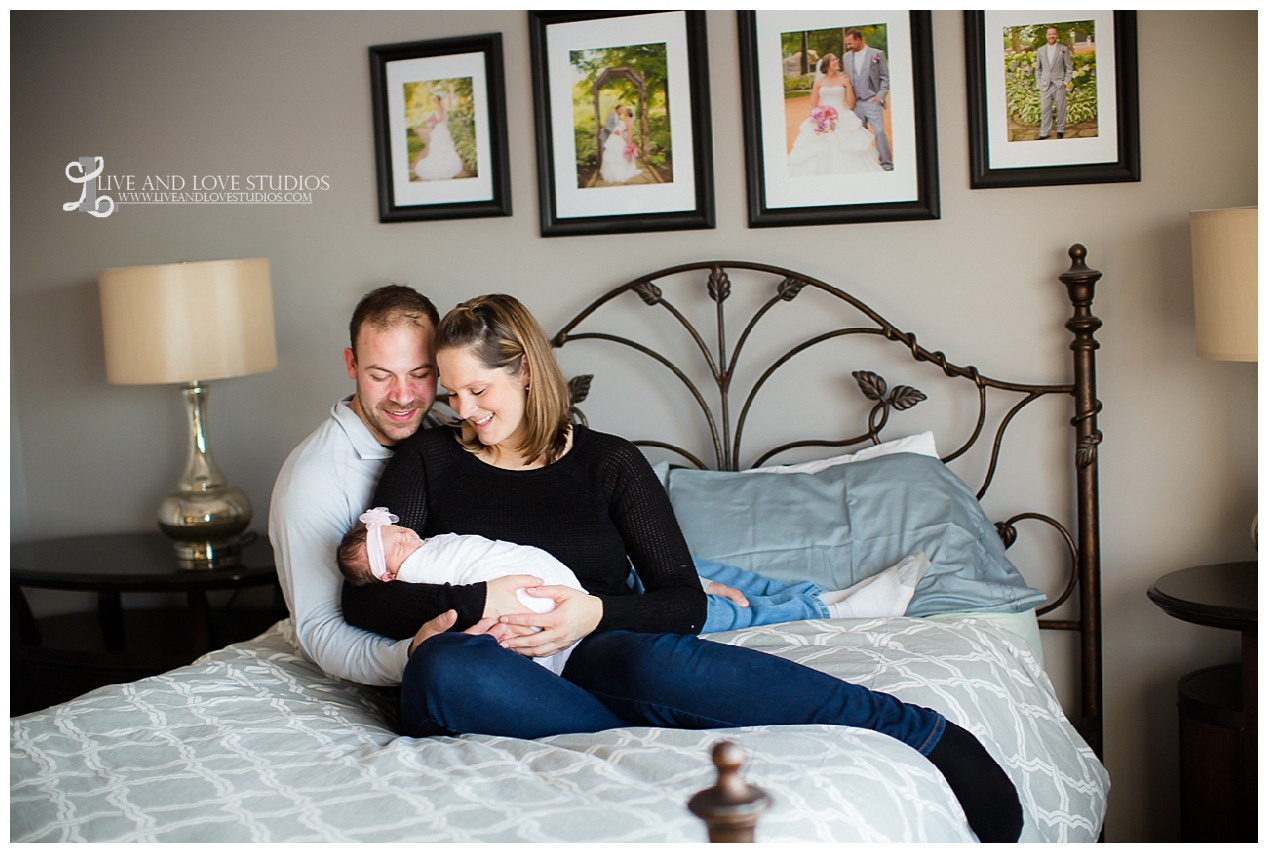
point(730, 808)
point(1081, 281)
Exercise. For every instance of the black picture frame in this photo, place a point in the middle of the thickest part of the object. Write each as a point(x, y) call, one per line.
point(480, 58)
point(565, 208)
point(984, 127)
point(919, 197)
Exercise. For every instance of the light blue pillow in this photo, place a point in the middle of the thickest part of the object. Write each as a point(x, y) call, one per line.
point(849, 522)
point(661, 470)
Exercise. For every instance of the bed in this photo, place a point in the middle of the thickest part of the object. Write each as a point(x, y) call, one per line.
point(254, 743)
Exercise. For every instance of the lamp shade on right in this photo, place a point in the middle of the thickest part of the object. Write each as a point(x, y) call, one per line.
point(1225, 278)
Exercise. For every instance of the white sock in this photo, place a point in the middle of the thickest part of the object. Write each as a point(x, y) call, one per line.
point(885, 594)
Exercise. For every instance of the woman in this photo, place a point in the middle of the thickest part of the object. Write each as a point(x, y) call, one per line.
point(519, 471)
point(618, 158)
point(828, 145)
point(441, 161)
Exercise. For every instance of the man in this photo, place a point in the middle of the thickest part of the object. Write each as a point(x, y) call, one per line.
point(1054, 71)
point(617, 116)
point(869, 74)
point(328, 480)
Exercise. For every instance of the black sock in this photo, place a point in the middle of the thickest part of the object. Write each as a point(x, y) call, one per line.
point(985, 792)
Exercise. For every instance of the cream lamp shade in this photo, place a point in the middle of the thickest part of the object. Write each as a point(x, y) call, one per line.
point(1225, 282)
point(187, 322)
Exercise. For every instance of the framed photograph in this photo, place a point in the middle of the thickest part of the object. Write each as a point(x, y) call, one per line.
point(622, 112)
point(839, 119)
point(1053, 98)
point(440, 129)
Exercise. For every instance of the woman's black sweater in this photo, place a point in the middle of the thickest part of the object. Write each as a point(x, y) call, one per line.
point(591, 508)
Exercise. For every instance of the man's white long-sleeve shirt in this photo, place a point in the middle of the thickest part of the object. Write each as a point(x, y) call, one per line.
point(324, 486)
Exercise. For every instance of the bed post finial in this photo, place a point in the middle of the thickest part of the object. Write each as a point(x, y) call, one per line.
point(730, 808)
point(1080, 281)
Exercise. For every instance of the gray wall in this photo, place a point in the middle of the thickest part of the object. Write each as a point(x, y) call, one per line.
point(287, 93)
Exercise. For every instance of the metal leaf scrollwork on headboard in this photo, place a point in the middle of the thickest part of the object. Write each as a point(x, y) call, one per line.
point(874, 388)
point(719, 285)
point(578, 390)
point(648, 292)
point(1085, 454)
point(789, 288)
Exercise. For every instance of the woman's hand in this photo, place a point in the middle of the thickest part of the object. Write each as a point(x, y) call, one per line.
point(575, 617)
point(500, 598)
point(850, 98)
point(728, 592)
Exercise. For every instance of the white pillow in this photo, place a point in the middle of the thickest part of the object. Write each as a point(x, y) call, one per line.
point(922, 443)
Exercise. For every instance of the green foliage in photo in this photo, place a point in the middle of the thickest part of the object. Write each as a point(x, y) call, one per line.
point(832, 40)
point(1023, 94)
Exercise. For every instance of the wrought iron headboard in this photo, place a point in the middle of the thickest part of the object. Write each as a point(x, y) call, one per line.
point(1083, 546)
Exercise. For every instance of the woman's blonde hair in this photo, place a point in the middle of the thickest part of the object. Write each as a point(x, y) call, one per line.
point(501, 333)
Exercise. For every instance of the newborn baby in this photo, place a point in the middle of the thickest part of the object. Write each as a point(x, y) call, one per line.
point(378, 549)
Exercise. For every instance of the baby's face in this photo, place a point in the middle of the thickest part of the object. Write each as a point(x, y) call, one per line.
point(398, 543)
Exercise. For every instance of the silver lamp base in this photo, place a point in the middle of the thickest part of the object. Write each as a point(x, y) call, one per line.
point(207, 526)
point(205, 515)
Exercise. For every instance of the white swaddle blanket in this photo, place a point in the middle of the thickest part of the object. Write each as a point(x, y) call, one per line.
point(464, 559)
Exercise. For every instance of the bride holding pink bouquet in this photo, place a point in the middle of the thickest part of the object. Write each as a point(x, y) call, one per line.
point(833, 140)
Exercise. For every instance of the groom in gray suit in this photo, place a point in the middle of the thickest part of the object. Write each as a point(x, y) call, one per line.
point(614, 118)
point(1054, 69)
point(869, 74)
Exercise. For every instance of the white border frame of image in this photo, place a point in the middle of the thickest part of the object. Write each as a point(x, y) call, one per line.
point(425, 69)
point(1103, 148)
point(782, 191)
point(571, 201)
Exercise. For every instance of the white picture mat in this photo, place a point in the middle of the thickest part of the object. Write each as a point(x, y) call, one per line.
point(669, 28)
point(1103, 148)
point(426, 68)
point(783, 191)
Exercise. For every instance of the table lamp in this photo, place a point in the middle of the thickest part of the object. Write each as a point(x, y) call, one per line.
point(1225, 276)
point(190, 323)
point(1225, 288)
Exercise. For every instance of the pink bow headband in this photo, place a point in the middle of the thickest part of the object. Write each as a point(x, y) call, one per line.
point(374, 520)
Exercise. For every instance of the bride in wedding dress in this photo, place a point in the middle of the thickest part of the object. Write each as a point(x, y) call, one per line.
point(827, 144)
point(618, 153)
point(441, 161)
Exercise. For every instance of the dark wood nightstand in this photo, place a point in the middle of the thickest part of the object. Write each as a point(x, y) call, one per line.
point(57, 658)
point(1219, 728)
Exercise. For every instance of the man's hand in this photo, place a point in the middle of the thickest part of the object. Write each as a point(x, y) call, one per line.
point(730, 593)
point(439, 625)
point(575, 616)
point(487, 625)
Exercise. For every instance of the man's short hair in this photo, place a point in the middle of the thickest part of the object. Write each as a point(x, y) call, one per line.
point(853, 32)
point(389, 306)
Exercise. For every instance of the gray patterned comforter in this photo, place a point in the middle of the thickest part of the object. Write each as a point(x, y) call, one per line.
point(253, 743)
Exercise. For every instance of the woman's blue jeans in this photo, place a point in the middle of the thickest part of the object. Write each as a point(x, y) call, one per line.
point(457, 683)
